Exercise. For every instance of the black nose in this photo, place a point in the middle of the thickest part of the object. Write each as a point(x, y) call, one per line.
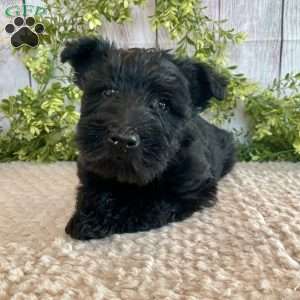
point(128, 141)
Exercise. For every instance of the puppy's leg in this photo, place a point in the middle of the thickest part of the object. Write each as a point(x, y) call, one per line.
point(89, 220)
point(99, 214)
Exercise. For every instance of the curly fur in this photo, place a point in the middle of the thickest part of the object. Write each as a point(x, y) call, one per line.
point(175, 169)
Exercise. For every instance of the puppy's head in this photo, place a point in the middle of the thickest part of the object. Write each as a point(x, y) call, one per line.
point(136, 106)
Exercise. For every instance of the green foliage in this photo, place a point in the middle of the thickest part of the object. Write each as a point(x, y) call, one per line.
point(275, 121)
point(42, 119)
point(41, 125)
point(273, 115)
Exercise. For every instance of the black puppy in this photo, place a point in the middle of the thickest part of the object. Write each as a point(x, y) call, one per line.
point(146, 157)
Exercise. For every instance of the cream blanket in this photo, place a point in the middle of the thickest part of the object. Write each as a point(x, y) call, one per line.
point(246, 247)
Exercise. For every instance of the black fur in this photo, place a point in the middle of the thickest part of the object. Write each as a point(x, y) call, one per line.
point(146, 157)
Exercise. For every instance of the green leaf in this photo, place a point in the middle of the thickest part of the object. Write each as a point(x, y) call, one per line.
point(296, 145)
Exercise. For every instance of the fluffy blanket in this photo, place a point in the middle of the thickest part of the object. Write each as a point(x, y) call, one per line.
point(246, 247)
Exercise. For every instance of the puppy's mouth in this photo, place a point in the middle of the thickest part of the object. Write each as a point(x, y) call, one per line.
point(121, 167)
point(122, 155)
point(122, 170)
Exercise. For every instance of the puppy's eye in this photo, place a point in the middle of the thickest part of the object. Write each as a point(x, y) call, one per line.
point(109, 92)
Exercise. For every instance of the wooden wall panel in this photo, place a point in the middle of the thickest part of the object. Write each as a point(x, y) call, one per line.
point(136, 34)
point(212, 8)
point(13, 74)
point(259, 57)
point(259, 60)
point(260, 19)
point(291, 37)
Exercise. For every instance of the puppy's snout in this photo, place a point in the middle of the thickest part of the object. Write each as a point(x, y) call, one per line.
point(129, 141)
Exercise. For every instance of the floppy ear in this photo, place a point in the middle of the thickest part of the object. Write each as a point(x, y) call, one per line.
point(205, 82)
point(82, 53)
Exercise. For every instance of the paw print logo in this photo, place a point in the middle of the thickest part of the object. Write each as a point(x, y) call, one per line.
point(24, 32)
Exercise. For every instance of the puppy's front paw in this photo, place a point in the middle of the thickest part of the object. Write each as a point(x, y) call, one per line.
point(70, 227)
point(83, 228)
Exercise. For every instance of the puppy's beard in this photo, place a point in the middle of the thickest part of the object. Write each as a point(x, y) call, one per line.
point(139, 168)
point(131, 171)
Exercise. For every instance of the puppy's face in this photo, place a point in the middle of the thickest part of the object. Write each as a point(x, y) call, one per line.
point(136, 107)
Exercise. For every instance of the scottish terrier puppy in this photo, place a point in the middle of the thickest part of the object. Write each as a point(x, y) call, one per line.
point(146, 156)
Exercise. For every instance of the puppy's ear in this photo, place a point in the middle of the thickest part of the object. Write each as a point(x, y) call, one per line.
point(205, 81)
point(82, 53)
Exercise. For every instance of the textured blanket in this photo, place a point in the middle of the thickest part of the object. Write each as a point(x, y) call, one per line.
point(246, 247)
